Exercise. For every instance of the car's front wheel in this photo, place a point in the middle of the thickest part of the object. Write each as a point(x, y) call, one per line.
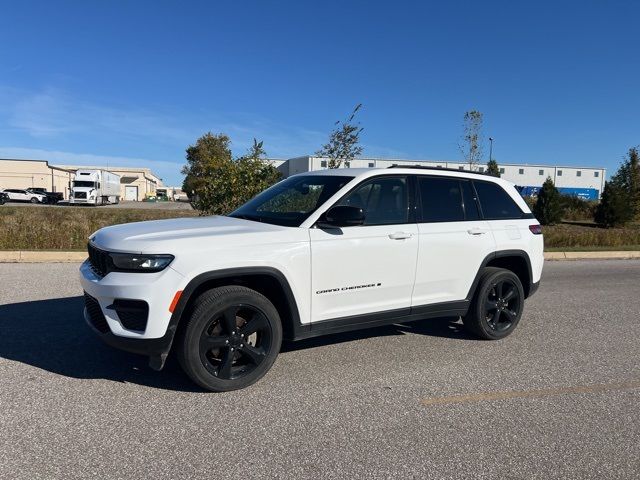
point(33, 200)
point(497, 305)
point(231, 338)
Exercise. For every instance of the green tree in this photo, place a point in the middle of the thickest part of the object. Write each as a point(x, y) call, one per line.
point(613, 209)
point(216, 182)
point(471, 146)
point(492, 168)
point(628, 178)
point(548, 206)
point(344, 141)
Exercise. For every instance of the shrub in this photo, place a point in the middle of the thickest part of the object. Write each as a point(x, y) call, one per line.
point(614, 208)
point(576, 208)
point(548, 206)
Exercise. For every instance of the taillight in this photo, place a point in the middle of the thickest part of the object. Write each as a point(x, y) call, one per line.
point(535, 229)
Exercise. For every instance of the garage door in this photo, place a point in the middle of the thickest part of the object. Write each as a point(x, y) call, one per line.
point(131, 193)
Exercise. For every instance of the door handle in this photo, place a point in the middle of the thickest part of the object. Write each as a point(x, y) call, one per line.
point(399, 236)
point(476, 231)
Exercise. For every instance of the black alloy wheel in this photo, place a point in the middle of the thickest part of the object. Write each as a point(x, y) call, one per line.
point(235, 342)
point(502, 305)
point(230, 339)
point(497, 305)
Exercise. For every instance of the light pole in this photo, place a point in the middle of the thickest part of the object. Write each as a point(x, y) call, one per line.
point(490, 148)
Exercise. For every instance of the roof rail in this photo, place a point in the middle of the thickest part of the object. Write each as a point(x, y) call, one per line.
point(420, 167)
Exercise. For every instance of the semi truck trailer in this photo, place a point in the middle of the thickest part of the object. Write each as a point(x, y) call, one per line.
point(95, 187)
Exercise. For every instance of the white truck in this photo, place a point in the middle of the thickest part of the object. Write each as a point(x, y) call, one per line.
point(95, 187)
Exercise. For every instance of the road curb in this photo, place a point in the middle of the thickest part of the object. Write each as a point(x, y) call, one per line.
point(598, 255)
point(28, 256)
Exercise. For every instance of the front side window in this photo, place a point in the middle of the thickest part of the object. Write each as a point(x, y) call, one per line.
point(384, 200)
point(291, 201)
point(495, 202)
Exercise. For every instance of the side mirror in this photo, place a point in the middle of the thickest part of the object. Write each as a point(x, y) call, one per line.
point(342, 216)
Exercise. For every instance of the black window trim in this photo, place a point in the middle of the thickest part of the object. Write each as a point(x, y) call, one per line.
point(411, 205)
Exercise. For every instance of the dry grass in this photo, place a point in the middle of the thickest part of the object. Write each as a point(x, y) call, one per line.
point(66, 228)
point(590, 236)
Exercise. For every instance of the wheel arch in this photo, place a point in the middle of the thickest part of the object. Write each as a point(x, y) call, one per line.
point(268, 281)
point(517, 261)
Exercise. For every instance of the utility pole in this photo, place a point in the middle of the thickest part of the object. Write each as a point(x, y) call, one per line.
point(490, 148)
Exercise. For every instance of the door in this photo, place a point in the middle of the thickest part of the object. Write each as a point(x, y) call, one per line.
point(368, 268)
point(453, 240)
point(131, 192)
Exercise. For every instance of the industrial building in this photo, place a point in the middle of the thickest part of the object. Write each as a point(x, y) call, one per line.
point(584, 182)
point(135, 183)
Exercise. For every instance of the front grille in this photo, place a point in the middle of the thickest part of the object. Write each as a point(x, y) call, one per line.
point(80, 194)
point(99, 260)
point(132, 313)
point(96, 317)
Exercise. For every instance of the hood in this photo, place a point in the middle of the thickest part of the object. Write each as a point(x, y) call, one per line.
point(196, 233)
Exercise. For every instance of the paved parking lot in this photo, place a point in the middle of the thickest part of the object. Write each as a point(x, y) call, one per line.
point(560, 398)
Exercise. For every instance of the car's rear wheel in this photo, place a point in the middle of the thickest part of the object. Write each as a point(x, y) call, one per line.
point(231, 338)
point(497, 305)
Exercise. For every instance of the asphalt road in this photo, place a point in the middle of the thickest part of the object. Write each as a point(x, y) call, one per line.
point(560, 398)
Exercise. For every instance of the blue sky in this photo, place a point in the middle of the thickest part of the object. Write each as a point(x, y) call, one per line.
point(136, 82)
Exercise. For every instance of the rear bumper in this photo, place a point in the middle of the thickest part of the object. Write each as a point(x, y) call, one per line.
point(533, 288)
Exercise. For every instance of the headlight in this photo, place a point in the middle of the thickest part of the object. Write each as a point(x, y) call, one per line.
point(130, 262)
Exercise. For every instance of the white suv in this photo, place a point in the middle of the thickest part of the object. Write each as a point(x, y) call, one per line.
point(25, 196)
point(318, 253)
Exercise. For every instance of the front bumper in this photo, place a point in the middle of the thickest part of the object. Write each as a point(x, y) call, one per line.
point(156, 349)
point(156, 289)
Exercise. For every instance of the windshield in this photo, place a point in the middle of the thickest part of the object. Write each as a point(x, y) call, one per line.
point(82, 183)
point(291, 201)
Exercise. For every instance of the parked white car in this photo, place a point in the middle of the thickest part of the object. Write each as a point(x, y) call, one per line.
point(318, 253)
point(17, 195)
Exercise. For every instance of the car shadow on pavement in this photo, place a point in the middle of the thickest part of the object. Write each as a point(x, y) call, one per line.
point(52, 335)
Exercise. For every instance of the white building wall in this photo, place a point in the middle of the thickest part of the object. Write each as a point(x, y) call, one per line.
point(519, 174)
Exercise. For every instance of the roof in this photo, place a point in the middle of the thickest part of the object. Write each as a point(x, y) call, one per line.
point(404, 170)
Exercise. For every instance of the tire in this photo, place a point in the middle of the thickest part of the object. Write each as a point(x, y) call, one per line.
point(499, 296)
point(33, 200)
point(230, 340)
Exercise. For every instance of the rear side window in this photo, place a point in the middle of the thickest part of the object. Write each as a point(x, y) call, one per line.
point(495, 202)
point(441, 199)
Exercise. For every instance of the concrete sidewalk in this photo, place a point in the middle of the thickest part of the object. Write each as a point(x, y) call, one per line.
point(7, 256)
